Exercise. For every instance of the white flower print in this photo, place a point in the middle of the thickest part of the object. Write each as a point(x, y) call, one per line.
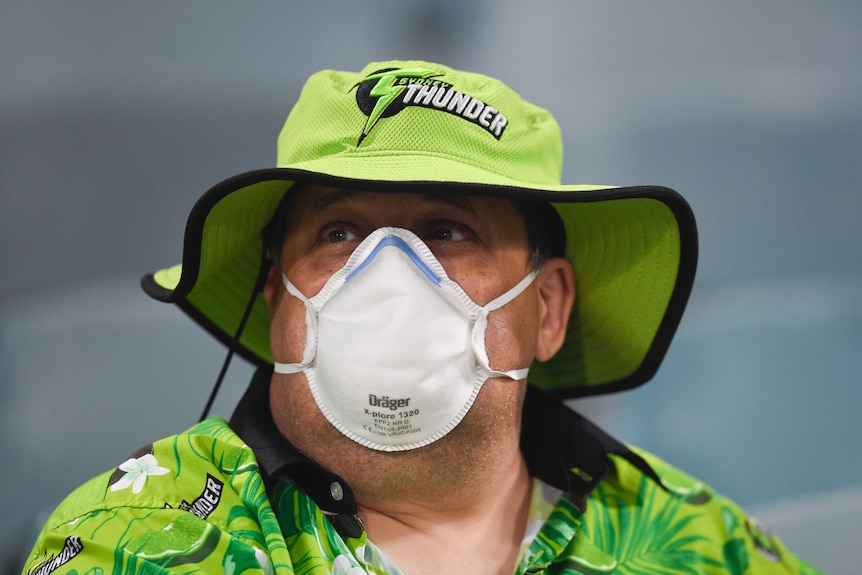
point(137, 471)
point(344, 566)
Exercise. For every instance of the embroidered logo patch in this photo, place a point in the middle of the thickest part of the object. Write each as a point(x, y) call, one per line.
point(207, 501)
point(71, 548)
point(388, 92)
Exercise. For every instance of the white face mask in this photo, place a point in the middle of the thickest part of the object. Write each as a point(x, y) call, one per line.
point(395, 350)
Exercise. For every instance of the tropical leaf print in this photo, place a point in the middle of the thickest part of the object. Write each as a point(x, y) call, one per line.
point(648, 531)
point(185, 537)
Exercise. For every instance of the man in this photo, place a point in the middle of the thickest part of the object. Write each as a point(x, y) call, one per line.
point(405, 281)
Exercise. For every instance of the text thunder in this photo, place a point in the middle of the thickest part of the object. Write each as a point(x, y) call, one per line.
point(439, 95)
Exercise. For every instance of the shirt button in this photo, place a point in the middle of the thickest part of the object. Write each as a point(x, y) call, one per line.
point(336, 491)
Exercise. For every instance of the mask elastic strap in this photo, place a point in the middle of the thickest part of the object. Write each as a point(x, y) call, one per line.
point(265, 264)
point(516, 374)
point(514, 292)
point(293, 290)
point(294, 367)
point(500, 301)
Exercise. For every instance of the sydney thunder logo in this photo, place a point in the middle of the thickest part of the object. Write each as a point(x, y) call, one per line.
point(387, 92)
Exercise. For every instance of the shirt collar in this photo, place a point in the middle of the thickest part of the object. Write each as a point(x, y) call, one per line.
point(560, 447)
point(279, 461)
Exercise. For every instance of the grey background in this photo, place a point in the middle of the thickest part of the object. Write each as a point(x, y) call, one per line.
point(116, 117)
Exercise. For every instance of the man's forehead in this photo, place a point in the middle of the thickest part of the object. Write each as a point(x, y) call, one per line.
point(316, 198)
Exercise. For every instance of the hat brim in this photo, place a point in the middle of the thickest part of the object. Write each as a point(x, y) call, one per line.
point(633, 249)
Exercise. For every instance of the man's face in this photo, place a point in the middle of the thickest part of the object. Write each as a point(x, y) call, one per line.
point(480, 242)
point(482, 245)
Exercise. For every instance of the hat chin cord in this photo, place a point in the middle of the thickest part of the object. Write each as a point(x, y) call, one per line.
point(265, 265)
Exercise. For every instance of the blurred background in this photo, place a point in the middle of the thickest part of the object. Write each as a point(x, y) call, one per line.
point(116, 117)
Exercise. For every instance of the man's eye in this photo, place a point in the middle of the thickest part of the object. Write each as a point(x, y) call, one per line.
point(447, 233)
point(339, 235)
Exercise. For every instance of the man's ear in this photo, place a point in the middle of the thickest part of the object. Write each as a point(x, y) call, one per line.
point(556, 284)
point(272, 287)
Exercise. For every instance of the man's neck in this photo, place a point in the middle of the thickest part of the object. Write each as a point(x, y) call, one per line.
point(460, 531)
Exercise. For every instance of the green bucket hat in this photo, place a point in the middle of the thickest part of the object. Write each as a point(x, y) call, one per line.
point(412, 126)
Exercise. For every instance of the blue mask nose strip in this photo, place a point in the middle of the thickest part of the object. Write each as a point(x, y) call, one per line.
point(397, 242)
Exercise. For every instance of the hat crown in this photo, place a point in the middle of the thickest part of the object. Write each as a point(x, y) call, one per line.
point(415, 109)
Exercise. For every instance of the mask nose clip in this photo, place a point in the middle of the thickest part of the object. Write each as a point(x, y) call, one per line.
point(397, 242)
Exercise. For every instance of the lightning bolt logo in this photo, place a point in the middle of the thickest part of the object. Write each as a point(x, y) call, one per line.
point(386, 92)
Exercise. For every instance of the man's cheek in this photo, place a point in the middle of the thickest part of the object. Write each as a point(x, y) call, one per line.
point(288, 331)
point(510, 338)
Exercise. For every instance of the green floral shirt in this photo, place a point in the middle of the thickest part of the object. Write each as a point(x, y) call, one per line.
point(196, 503)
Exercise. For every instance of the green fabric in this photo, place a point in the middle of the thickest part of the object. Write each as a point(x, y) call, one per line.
point(633, 249)
point(196, 503)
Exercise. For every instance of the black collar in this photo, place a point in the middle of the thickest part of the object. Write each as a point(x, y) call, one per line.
point(561, 448)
